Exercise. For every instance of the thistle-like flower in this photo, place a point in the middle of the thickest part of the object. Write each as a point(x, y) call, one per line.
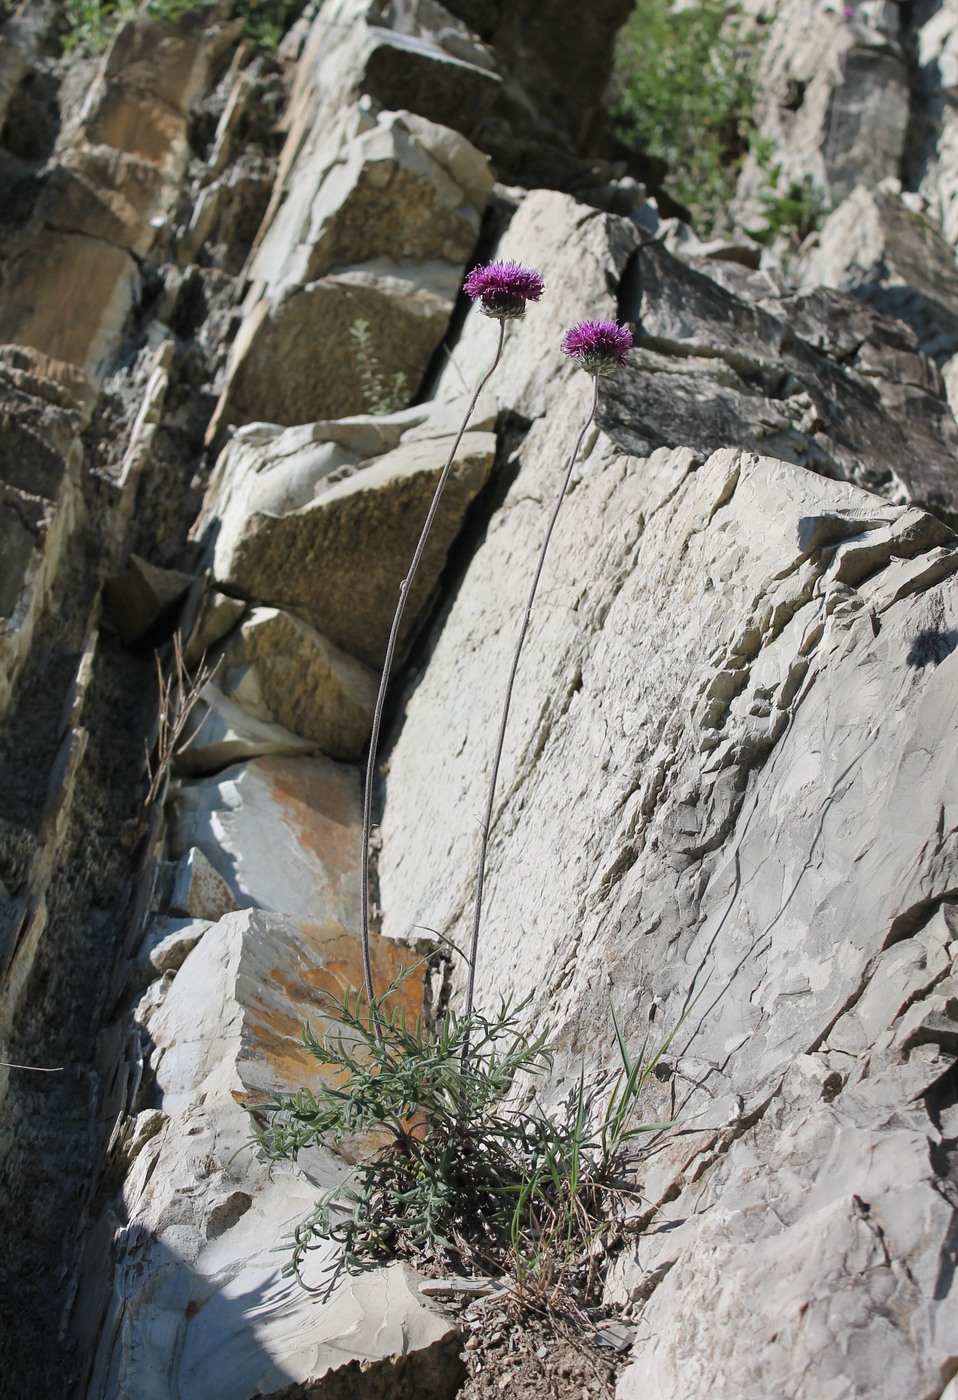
point(503, 288)
point(600, 347)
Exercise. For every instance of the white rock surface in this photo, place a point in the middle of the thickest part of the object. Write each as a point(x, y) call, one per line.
point(170, 940)
point(339, 561)
point(219, 732)
point(728, 785)
point(283, 671)
point(198, 890)
point(573, 247)
point(282, 832)
point(379, 217)
point(874, 246)
point(832, 101)
point(200, 1306)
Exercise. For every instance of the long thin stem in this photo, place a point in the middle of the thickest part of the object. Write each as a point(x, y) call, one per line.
point(490, 801)
point(404, 588)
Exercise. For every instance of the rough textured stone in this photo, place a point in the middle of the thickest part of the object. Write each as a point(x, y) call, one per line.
point(339, 561)
point(833, 101)
point(168, 946)
point(282, 832)
point(411, 70)
point(783, 376)
point(200, 1306)
point(378, 227)
point(727, 787)
point(284, 671)
point(876, 248)
point(728, 798)
point(98, 280)
point(572, 247)
point(933, 163)
point(268, 470)
point(309, 334)
point(216, 615)
point(219, 732)
point(106, 194)
point(198, 890)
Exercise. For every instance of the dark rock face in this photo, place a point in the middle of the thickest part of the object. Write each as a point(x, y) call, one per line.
point(815, 378)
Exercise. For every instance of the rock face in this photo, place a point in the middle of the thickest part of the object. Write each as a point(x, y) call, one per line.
point(291, 673)
point(877, 248)
point(832, 98)
point(373, 221)
point(200, 1306)
point(339, 561)
point(759, 866)
point(727, 807)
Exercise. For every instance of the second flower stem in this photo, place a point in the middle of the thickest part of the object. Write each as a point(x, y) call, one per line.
point(490, 801)
point(404, 589)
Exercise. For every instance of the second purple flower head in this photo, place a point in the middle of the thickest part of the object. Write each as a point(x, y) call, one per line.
point(598, 346)
point(503, 288)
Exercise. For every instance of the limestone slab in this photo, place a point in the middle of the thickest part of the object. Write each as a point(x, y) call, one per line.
point(715, 368)
point(200, 1307)
point(283, 670)
point(571, 246)
point(338, 562)
point(218, 732)
point(282, 832)
point(381, 215)
point(198, 890)
point(99, 281)
point(727, 796)
point(874, 246)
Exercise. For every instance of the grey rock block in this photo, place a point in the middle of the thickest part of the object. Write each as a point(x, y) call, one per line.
point(218, 732)
point(282, 670)
point(200, 1307)
point(878, 249)
point(338, 562)
point(784, 376)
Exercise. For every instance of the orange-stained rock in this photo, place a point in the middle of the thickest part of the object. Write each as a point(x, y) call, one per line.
point(284, 833)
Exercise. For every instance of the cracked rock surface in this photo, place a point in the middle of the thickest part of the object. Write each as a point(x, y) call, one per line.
point(728, 798)
point(728, 807)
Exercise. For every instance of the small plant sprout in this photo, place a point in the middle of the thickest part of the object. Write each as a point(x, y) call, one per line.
point(379, 397)
point(502, 290)
point(600, 347)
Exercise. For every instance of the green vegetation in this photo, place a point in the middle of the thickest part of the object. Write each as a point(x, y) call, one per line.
point(682, 92)
point(379, 397)
point(91, 24)
point(458, 1177)
point(795, 211)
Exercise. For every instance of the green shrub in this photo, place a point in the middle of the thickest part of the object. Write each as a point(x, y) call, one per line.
point(796, 211)
point(681, 91)
point(458, 1177)
point(91, 24)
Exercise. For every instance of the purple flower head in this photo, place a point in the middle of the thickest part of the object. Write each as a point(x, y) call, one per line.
point(503, 288)
point(598, 346)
